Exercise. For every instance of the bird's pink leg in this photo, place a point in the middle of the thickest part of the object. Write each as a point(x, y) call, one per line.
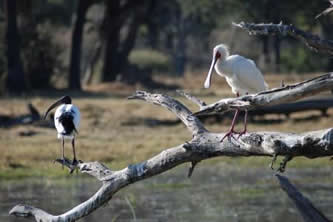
point(245, 123)
point(231, 131)
point(245, 126)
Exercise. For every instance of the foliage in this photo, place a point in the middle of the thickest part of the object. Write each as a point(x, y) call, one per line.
point(163, 36)
point(3, 60)
point(40, 55)
point(300, 60)
point(150, 59)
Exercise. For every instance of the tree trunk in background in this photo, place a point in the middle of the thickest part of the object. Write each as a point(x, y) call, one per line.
point(129, 42)
point(15, 80)
point(77, 37)
point(327, 27)
point(180, 49)
point(265, 51)
point(277, 40)
point(112, 26)
point(277, 46)
point(117, 51)
point(153, 34)
point(152, 26)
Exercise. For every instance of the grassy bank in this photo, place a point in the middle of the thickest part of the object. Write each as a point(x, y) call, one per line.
point(119, 132)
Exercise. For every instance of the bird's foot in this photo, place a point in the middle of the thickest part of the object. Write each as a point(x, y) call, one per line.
point(229, 134)
point(62, 161)
point(241, 133)
point(72, 165)
point(75, 162)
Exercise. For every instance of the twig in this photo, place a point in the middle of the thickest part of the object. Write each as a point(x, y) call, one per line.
point(273, 160)
point(131, 208)
point(192, 98)
point(182, 112)
point(326, 11)
point(191, 169)
point(284, 162)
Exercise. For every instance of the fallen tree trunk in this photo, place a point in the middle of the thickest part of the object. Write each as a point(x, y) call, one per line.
point(203, 145)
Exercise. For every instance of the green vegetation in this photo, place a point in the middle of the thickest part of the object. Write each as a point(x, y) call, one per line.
point(147, 59)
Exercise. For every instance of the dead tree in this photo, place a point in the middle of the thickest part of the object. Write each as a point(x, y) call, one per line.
point(314, 42)
point(203, 145)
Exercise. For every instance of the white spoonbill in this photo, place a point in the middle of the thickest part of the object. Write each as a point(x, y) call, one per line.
point(66, 121)
point(241, 74)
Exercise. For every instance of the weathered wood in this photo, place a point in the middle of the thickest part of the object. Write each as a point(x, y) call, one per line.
point(276, 96)
point(308, 211)
point(312, 41)
point(203, 145)
point(182, 112)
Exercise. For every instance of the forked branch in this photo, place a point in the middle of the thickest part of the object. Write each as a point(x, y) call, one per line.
point(312, 41)
point(203, 145)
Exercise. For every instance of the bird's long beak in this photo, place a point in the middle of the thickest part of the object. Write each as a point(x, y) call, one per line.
point(210, 72)
point(63, 100)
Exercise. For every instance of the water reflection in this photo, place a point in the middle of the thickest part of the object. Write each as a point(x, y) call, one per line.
point(212, 194)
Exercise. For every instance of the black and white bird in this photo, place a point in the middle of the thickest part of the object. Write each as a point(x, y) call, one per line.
point(241, 74)
point(66, 121)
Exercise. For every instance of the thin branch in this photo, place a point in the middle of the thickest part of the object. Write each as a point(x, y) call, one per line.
point(182, 112)
point(272, 97)
point(312, 41)
point(284, 162)
point(326, 11)
point(191, 169)
point(309, 212)
point(192, 98)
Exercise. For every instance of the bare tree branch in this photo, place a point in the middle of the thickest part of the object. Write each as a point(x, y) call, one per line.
point(182, 112)
point(194, 99)
point(303, 204)
point(326, 11)
point(312, 41)
point(272, 97)
point(203, 145)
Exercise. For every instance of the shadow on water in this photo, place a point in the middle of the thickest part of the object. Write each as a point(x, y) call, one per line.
point(214, 193)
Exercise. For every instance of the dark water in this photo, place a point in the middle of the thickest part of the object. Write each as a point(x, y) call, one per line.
point(214, 193)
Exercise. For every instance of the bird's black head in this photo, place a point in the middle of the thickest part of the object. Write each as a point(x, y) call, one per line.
point(66, 100)
point(62, 100)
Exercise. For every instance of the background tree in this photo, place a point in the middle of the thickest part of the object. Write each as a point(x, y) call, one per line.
point(77, 37)
point(15, 79)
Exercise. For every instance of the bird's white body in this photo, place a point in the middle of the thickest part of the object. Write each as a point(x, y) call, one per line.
point(64, 108)
point(241, 73)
